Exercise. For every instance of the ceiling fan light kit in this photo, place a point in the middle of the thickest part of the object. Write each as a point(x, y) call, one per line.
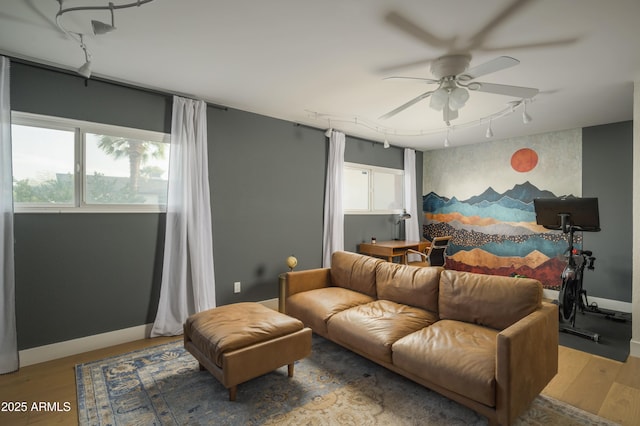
point(98, 27)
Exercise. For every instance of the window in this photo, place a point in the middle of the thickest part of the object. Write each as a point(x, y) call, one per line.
point(69, 165)
point(372, 190)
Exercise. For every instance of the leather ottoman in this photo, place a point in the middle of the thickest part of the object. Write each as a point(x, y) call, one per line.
point(242, 341)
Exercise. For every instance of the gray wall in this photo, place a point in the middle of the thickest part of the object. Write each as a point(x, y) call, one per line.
point(607, 173)
point(84, 273)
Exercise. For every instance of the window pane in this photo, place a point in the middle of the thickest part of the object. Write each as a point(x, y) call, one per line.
point(387, 191)
point(43, 163)
point(355, 194)
point(125, 171)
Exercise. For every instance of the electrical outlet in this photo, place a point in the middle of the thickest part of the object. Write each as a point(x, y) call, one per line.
point(236, 287)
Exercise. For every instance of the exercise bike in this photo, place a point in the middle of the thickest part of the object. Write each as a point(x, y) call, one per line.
point(573, 297)
point(572, 214)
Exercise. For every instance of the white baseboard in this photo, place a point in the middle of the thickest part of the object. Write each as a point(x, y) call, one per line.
point(98, 341)
point(82, 344)
point(634, 348)
point(614, 305)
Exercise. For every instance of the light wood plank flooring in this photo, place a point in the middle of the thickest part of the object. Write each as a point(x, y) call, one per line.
point(608, 388)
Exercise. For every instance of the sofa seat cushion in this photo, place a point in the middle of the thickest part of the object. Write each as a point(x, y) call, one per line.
point(456, 355)
point(315, 307)
point(374, 327)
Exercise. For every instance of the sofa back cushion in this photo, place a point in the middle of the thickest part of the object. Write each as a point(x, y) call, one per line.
point(409, 285)
point(354, 271)
point(489, 300)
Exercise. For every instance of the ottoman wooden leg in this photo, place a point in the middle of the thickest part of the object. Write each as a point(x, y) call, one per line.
point(233, 390)
point(290, 370)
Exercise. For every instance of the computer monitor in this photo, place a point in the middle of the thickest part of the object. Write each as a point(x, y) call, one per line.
point(579, 214)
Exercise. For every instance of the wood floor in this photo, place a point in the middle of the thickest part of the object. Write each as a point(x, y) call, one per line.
point(608, 388)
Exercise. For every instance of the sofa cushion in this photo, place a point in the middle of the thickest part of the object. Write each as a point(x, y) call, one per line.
point(488, 300)
point(374, 327)
point(315, 307)
point(410, 285)
point(456, 355)
point(354, 271)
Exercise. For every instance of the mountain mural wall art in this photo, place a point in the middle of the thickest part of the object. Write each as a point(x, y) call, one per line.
point(495, 231)
point(497, 234)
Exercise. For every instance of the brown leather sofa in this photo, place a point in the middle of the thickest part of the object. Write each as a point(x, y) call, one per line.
point(488, 342)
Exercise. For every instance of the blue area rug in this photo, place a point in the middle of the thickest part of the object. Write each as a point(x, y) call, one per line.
point(162, 385)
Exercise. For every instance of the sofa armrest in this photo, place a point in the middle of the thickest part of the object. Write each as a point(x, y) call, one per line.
point(311, 279)
point(527, 360)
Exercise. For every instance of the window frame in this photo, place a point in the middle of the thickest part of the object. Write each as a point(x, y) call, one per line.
point(372, 170)
point(80, 129)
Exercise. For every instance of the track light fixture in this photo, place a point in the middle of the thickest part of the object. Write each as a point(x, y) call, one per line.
point(386, 143)
point(526, 118)
point(489, 133)
point(98, 27)
point(446, 140)
point(85, 70)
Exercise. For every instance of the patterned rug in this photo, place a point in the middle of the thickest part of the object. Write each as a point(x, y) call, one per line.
point(162, 385)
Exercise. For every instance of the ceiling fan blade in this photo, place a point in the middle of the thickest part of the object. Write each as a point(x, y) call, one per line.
point(478, 39)
point(448, 114)
point(497, 64)
point(426, 80)
point(405, 65)
point(542, 44)
point(417, 32)
point(503, 89)
point(406, 105)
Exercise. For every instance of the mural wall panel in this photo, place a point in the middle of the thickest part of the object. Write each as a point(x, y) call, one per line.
point(483, 195)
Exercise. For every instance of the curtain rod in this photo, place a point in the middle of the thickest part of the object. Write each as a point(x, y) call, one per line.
point(55, 68)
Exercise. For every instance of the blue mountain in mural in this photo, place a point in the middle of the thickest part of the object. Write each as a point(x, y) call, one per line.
point(489, 195)
point(526, 192)
point(520, 197)
point(432, 202)
point(497, 211)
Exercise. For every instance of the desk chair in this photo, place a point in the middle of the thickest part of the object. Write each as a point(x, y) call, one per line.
point(434, 255)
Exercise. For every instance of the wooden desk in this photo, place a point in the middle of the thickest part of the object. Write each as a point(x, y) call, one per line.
point(390, 249)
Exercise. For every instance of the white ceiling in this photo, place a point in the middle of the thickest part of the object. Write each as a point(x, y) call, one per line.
point(322, 63)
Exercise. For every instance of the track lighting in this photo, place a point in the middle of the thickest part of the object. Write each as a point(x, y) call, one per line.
point(526, 118)
point(386, 143)
point(98, 27)
point(489, 133)
point(84, 70)
point(446, 140)
point(328, 132)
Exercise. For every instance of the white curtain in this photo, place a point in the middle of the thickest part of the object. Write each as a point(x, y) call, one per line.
point(333, 231)
point(188, 284)
point(412, 231)
point(8, 338)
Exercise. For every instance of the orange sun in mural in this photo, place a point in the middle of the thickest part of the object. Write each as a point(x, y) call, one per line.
point(524, 160)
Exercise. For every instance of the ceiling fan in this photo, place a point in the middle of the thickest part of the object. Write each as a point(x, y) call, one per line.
point(452, 73)
point(454, 79)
